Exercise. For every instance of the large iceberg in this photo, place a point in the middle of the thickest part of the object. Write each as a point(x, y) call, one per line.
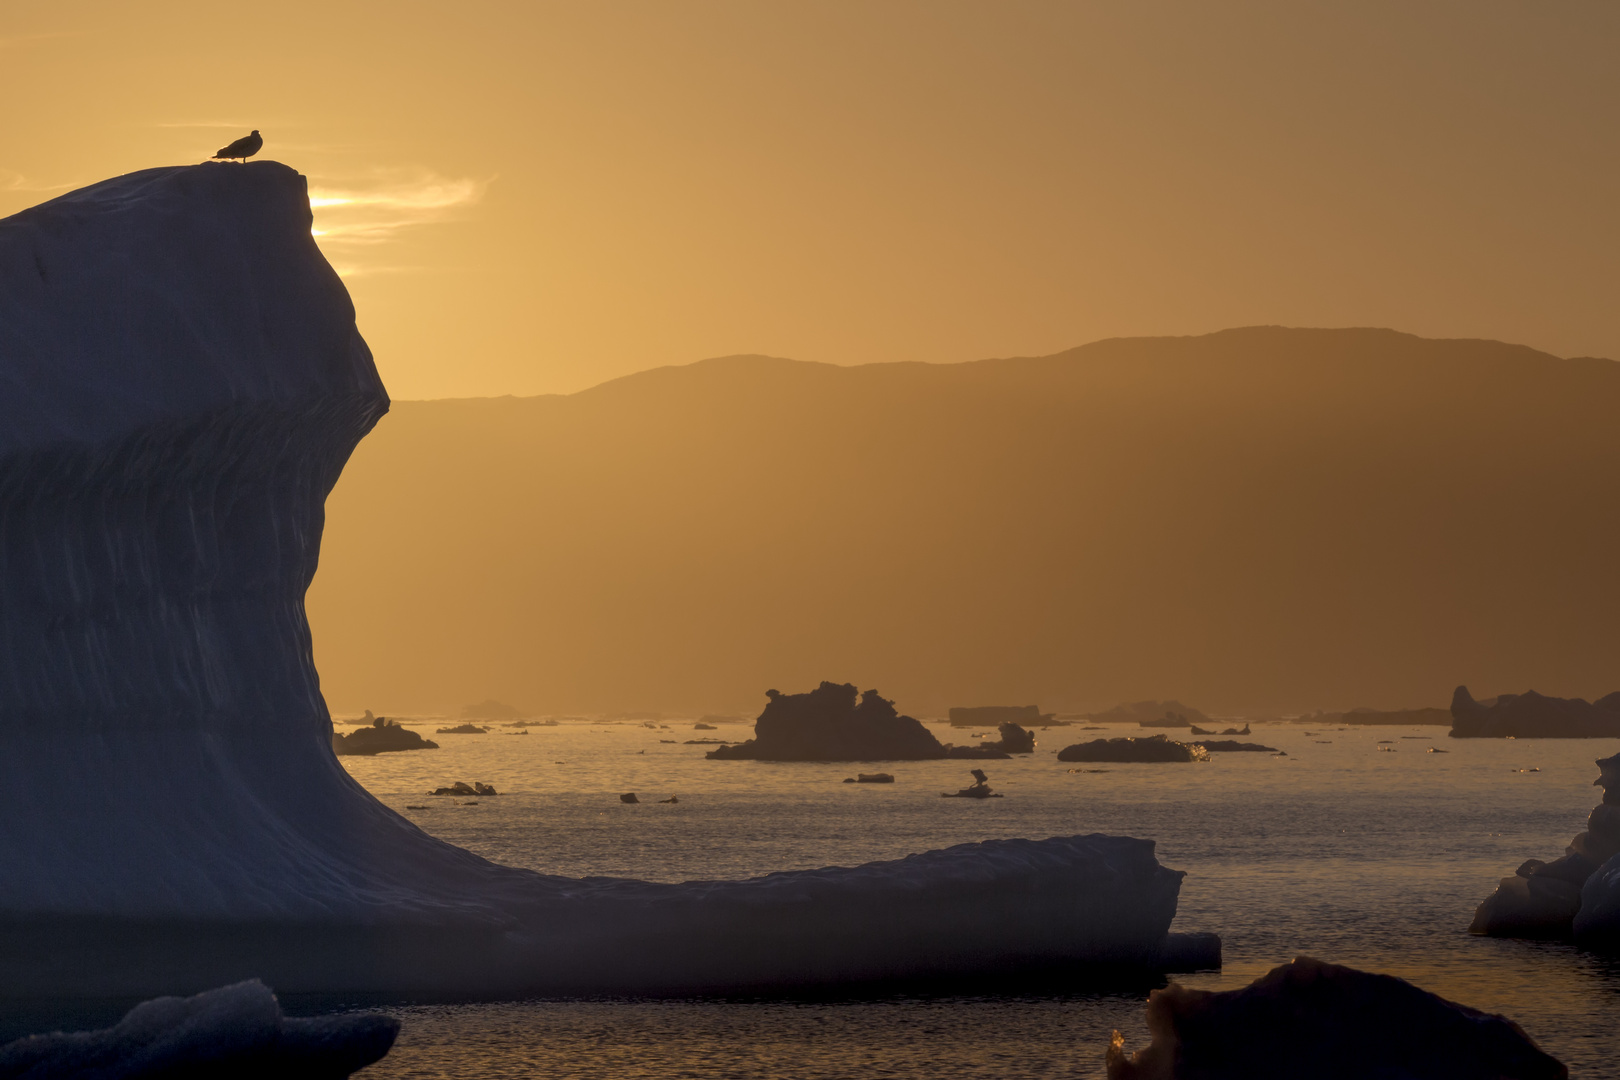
point(1577, 894)
point(181, 382)
point(1597, 924)
point(1534, 716)
point(1326, 1022)
point(836, 722)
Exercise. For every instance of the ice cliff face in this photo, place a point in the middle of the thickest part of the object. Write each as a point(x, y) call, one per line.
point(1578, 894)
point(1326, 1022)
point(181, 382)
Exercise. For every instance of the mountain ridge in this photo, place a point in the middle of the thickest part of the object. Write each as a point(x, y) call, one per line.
point(1260, 520)
point(1075, 352)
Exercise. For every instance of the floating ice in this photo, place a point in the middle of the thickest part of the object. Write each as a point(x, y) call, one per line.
point(1577, 894)
point(1598, 923)
point(1326, 1022)
point(1148, 748)
point(835, 722)
point(235, 1031)
point(1534, 716)
point(181, 382)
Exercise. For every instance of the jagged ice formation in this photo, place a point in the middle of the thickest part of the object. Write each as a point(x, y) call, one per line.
point(237, 1031)
point(1578, 894)
point(181, 382)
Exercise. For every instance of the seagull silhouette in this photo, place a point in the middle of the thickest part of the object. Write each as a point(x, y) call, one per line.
point(243, 148)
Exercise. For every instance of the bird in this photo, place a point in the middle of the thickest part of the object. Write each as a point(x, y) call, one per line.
point(243, 148)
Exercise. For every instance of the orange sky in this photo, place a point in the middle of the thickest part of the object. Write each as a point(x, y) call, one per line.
point(530, 198)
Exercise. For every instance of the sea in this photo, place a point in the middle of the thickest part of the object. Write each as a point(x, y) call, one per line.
point(1366, 846)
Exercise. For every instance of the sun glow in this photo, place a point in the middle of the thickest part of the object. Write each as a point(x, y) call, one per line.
point(357, 214)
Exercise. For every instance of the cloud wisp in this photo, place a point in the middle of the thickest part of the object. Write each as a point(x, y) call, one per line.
point(354, 216)
point(16, 181)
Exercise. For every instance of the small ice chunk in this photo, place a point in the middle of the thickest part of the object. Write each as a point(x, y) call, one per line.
point(235, 1030)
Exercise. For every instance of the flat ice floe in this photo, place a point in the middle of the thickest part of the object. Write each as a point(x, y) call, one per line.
point(181, 383)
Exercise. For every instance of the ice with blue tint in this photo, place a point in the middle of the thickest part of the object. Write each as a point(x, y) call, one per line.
point(237, 1031)
point(181, 383)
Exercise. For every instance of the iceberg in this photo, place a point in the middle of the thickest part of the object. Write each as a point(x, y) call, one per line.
point(1149, 748)
point(1577, 894)
point(1597, 924)
point(836, 722)
point(384, 736)
point(234, 1031)
point(181, 383)
point(1327, 1022)
point(1534, 716)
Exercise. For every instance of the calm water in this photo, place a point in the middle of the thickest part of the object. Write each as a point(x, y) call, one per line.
point(1351, 849)
point(1356, 853)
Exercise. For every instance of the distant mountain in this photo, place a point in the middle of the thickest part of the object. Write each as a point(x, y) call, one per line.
point(1265, 518)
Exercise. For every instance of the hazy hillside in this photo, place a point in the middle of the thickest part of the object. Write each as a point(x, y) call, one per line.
point(1257, 519)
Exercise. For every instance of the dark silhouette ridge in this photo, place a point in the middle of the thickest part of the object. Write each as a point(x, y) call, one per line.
point(1244, 730)
point(1014, 740)
point(1327, 1022)
point(242, 148)
point(1148, 748)
point(979, 789)
point(1281, 517)
point(237, 1031)
point(1544, 899)
point(384, 736)
point(476, 789)
point(1534, 716)
point(827, 724)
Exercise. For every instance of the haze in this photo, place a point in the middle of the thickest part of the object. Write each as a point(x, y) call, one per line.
point(533, 198)
point(1256, 521)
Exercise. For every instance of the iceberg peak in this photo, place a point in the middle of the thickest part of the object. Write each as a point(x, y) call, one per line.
point(167, 294)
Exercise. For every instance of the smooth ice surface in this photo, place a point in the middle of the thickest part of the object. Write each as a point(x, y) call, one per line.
point(181, 382)
point(235, 1031)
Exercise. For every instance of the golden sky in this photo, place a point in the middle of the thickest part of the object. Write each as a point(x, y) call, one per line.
point(529, 197)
